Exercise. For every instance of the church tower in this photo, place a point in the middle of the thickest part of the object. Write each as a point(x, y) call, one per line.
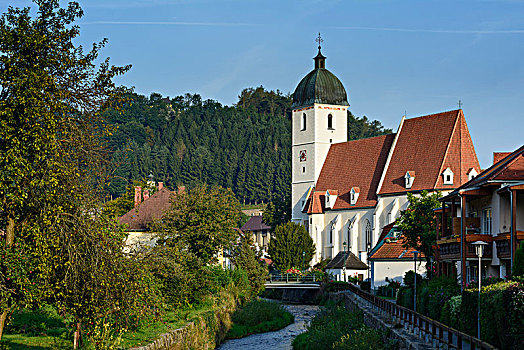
point(319, 119)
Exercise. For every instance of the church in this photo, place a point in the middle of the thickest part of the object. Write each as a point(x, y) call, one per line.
point(345, 192)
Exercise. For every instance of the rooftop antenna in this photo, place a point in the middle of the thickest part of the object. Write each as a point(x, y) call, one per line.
point(460, 104)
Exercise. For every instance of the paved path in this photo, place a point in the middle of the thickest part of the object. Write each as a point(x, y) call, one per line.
point(281, 339)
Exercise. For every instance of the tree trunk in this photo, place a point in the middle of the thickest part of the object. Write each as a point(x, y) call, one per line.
point(77, 341)
point(3, 317)
point(9, 240)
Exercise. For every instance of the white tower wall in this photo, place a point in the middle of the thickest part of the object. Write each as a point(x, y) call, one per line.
point(310, 147)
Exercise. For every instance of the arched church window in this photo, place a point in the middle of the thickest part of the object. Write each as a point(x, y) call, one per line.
point(330, 121)
point(368, 234)
point(303, 122)
point(330, 237)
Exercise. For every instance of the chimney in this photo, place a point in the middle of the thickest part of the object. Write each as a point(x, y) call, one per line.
point(138, 195)
point(181, 189)
point(160, 185)
point(146, 194)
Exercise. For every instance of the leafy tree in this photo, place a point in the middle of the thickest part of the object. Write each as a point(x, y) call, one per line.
point(291, 246)
point(277, 212)
point(244, 255)
point(50, 155)
point(418, 223)
point(201, 220)
point(518, 262)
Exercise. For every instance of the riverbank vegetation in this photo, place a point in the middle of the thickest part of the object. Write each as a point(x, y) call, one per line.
point(338, 328)
point(259, 316)
point(501, 307)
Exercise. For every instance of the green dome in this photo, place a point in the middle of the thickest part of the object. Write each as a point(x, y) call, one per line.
point(320, 86)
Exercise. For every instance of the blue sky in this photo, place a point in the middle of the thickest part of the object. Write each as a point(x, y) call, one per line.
point(418, 57)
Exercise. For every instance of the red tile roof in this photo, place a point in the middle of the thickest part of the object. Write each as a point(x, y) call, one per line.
point(428, 145)
point(350, 164)
point(152, 208)
point(393, 249)
point(509, 168)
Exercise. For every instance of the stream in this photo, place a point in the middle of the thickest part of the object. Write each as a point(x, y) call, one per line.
point(281, 339)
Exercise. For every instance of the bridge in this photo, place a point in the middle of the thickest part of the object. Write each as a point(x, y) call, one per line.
point(292, 281)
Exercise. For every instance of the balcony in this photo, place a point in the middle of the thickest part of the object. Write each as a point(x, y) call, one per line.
point(502, 241)
point(449, 249)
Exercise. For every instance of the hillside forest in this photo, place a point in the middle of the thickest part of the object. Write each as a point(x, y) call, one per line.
point(188, 141)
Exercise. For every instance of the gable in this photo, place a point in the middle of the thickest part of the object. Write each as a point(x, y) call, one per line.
point(427, 146)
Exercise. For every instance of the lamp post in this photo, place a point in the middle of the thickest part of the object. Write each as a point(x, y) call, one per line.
point(345, 257)
point(415, 253)
point(479, 249)
point(369, 265)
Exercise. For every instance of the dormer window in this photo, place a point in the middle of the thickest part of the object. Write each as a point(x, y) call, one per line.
point(409, 177)
point(331, 198)
point(353, 195)
point(448, 177)
point(330, 122)
point(303, 122)
point(472, 173)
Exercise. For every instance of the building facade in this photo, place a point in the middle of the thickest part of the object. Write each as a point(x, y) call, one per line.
point(347, 191)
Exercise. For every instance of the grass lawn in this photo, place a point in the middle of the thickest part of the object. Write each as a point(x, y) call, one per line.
point(44, 329)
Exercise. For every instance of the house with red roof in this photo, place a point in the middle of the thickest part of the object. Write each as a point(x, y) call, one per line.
point(260, 231)
point(488, 209)
point(146, 210)
point(345, 192)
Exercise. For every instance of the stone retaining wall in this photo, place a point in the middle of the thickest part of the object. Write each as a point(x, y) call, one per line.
point(206, 331)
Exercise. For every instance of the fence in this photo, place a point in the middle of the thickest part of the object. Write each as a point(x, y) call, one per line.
point(424, 326)
point(292, 278)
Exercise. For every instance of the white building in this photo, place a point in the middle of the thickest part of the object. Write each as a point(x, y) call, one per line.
point(347, 191)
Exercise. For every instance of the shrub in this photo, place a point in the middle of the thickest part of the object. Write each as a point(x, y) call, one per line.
point(518, 265)
point(328, 327)
point(335, 286)
point(409, 279)
point(439, 291)
point(259, 316)
point(363, 338)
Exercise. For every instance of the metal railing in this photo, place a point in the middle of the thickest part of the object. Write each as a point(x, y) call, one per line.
point(292, 278)
point(453, 338)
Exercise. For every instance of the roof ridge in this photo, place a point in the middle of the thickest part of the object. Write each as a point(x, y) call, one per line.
point(447, 149)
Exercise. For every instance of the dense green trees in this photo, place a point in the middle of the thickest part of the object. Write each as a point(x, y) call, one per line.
point(185, 140)
point(291, 246)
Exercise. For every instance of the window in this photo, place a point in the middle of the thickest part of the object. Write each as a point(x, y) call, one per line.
point(303, 122)
point(448, 177)
point(486, 220)
point(331, 234)
point(303, 169)
point(330, 121)
point(389, 219)
point(368, 234)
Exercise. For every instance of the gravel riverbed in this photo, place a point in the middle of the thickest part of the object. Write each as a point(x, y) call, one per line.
point(281, 339)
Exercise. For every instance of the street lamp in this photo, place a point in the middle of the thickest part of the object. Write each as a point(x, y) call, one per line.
point(415, 253)
point(345, 257)
point(369, 265)
point(479, 249)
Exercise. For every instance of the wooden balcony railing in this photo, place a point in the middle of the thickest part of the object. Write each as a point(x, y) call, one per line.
point(451, 250)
